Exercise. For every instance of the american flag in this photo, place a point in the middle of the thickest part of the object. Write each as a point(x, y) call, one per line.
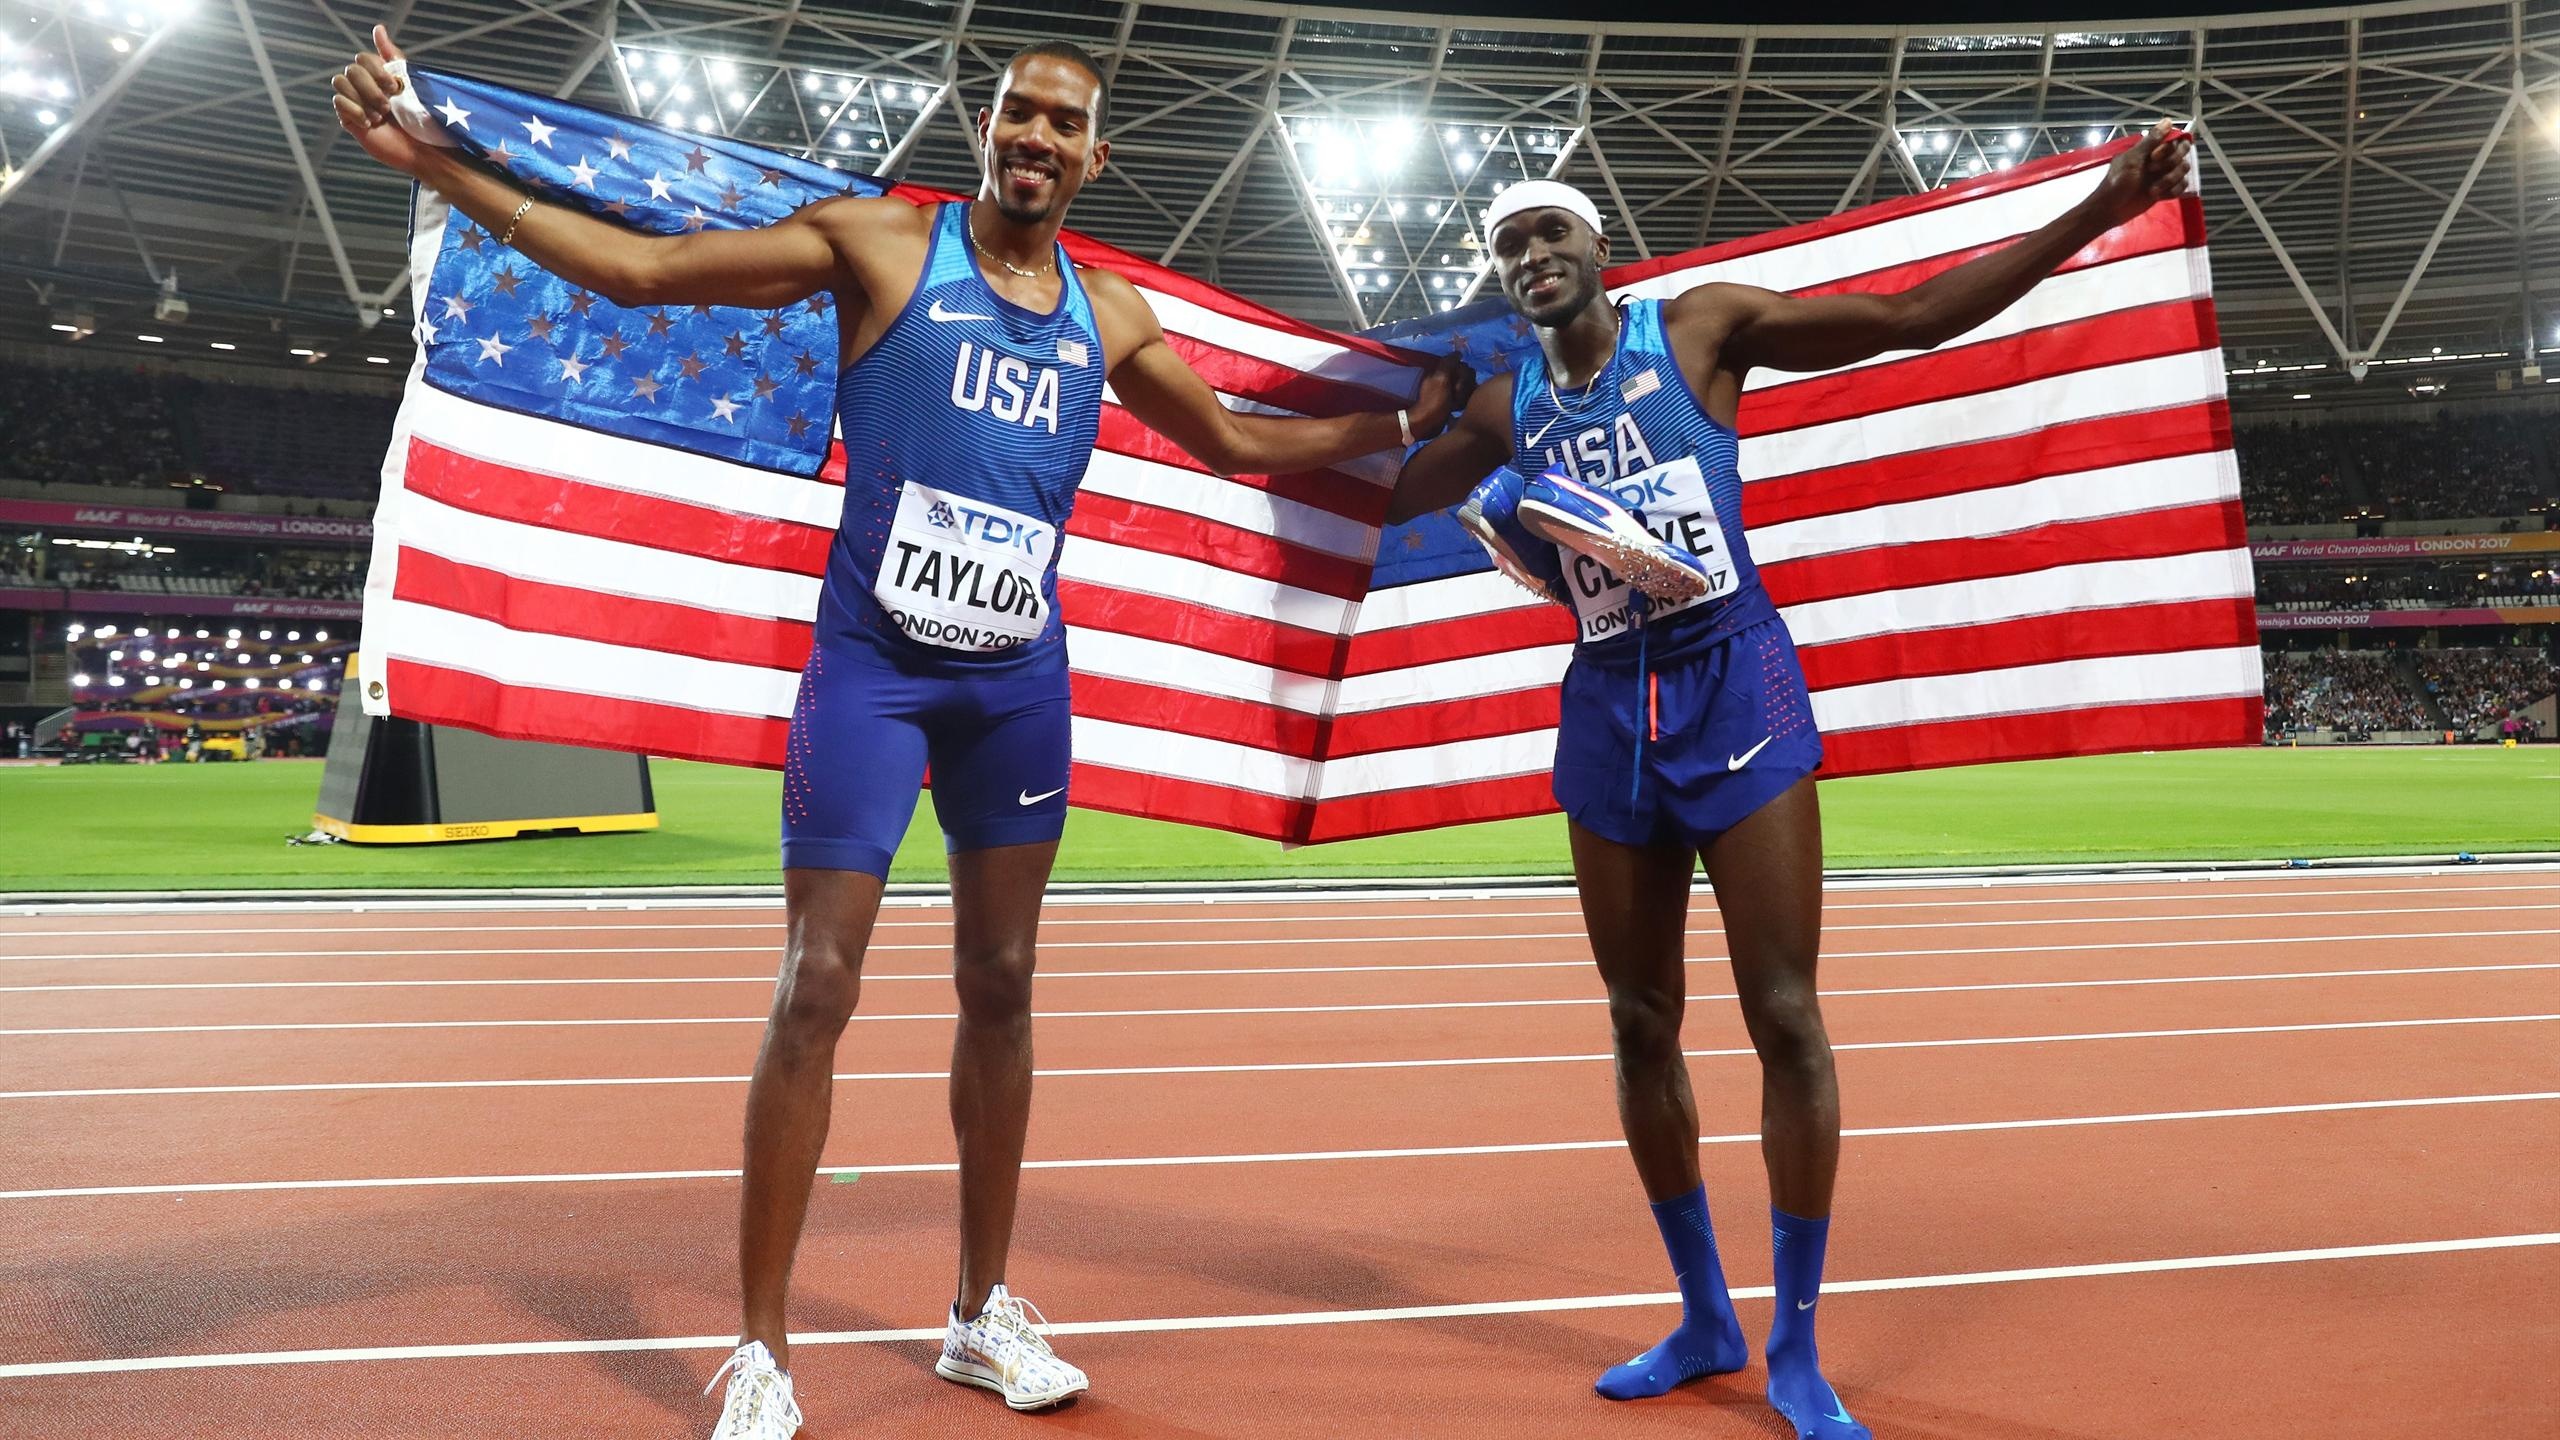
point(2026, 543)
point(605, 527)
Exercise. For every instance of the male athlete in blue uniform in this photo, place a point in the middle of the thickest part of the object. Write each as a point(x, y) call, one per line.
point(973, 361)
point(1686, 733)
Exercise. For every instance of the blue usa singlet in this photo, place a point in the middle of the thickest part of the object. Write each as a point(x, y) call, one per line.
point(967, 430)
point(1637, 431)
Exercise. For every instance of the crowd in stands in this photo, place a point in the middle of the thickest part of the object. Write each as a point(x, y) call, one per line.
point(2454, 467)
point(2357, 691)
point(88, 427)
point(108, 427)
point(2289, 475)
point(2439, 586)
point(203, 568)
point(2482, 686)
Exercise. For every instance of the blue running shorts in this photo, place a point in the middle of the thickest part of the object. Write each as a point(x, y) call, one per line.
point(1681, 753)
point(863, 737)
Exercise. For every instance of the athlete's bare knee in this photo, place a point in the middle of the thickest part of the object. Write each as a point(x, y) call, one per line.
point(1787, 1031)
point(821, 984)
point(994, 984)
point(1644, 1021)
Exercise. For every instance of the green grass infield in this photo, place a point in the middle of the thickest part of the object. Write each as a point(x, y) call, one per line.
point(223, 827)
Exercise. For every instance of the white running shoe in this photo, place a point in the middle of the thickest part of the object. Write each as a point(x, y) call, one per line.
point(759, 1406)
point(1003, 1352)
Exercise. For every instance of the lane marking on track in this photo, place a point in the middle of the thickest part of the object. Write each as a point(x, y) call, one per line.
point(1191, 943)
point(870, 977)
point(1241, 1067)
point(1282, 1157)
point(1177, 1324)
point(577, 926)
point(574, 1023)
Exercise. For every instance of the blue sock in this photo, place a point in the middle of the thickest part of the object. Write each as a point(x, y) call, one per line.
point(1709, 1340)
point(1796, 1386)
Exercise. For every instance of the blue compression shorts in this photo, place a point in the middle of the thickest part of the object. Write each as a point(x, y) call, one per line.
point(1682, 752)
point(864, 735)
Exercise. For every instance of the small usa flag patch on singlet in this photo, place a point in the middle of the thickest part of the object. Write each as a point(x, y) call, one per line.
point(1636, 387)
point(1072, 352)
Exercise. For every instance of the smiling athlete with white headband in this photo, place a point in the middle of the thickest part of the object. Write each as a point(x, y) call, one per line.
point(1686, 733)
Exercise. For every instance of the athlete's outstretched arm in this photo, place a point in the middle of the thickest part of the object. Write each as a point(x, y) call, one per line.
point(1441, 473)
point(1160, 388)
point(1753, 327)
point(758, 268)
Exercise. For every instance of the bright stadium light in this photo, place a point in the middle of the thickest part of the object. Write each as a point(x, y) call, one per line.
point(667, 62)
point(81, 680)
point(275, 659)
point(186, 682)
point(266, 634)
point(289, 634)
point(648, 89)
point(2097, 136)
point(723, 70)
point(115, 655)
point(216, 685)
point(116, 680)
point(844, 86)
point(106, 632)
point(203, 634)
point(2017, 140)
point(322, 636)
point(679, 92)
point(148, 656)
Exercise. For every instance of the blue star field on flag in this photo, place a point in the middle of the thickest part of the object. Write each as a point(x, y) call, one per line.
point(1491, 337)
point(753, 386)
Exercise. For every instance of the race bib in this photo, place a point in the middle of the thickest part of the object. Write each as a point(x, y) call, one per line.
point(964, 574)
point(1675, 505)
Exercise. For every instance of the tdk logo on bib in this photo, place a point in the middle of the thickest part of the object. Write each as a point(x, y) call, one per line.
point(1003, 386)
point(964, 574)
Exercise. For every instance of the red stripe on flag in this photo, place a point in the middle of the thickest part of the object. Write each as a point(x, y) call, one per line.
point(1865, 217)
point(2163, 227)
point(2172, 725)
point(1331, 491)
point(440, 696)
point(1174, 532)
point(1463, 637)
point(1395, 812)
point(1988, 464)
point(1272, 383)
point(529, 497)
point(1198, 627)
point(2033, 640)
point(1190, 802)
point(539, 607)
point(1443, 722)
point(1184, 712)
point(2145, 535)
point(2174, 327)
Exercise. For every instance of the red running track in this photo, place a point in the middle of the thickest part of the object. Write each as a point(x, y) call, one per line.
point(2251, 1156)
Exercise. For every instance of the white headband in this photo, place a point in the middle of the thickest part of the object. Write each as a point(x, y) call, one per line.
point(1542, 195)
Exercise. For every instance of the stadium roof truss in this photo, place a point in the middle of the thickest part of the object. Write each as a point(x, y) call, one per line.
point(2383, 181)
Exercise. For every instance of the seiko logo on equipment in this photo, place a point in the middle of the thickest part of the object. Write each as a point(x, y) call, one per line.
point(1002, 385)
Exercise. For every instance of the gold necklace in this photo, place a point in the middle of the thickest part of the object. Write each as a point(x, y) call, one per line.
point(1008, 266)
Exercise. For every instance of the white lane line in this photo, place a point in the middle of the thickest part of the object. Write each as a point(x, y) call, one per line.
point(1705, 912)
point(1240, 1068)
point(1192, 943)
point(1282, 1157)
point(575, 1023)
point(1186, 1323)
point(870, 977)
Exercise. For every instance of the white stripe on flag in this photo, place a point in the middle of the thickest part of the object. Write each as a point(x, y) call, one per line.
point(2053, 499)
point(1453, 597)
point(1180, 667)
point(2098, 585)
point(2079, 295)
point(398, 630)
point(1940, 231)
point(608, 567)
point(1494, 757)
point(2040, 689)
point(1170, 487)
point(1170, 753)
point(2130, 388)
point(570, 452)
point(1197, 582)
point(1281, 347)
point(1528, 667)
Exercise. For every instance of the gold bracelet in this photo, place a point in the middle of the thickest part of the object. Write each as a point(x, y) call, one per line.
point(513, 221)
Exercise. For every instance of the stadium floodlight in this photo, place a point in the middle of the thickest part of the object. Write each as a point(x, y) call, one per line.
point(80, 681)
point(843, 86)
point(322, 637)
point(251, 682)
point(2097, 136)
point(228, 635)
point(667, 62)
point(2017, 140)
point(705, 121)
point(679, 92)
point(275, 659)
point(841, 140)
point(48, 117)
point(106, 632)
point(186, 682)
point(116, 680)
point(647, 89)
point(119, 44)
point(724, 70)
point(203, 634)
point(148, 656)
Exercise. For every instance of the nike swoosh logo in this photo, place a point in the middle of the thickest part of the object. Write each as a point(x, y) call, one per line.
point(1028, 798)
point(1804, 1304)
point(1736, 762)
point(936, 312)
point(1841, 1413)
